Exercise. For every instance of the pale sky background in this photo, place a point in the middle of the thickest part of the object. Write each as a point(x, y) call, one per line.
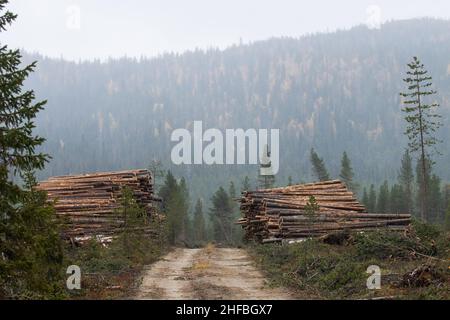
point(87, 29)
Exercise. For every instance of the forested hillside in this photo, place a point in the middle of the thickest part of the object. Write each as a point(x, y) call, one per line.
point(335, 92)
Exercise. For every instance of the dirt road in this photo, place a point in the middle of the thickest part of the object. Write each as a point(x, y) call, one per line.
point(208, 273)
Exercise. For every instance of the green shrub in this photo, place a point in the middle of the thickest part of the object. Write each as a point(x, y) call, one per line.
point(425, 231)
point(384, 244)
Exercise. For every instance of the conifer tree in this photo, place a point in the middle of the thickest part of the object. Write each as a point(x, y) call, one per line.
point(199, 227)
point(30, 247)
point(176, 208)
point(319, 169)
point(186, 230)
point(396, 199)
point(365, 199)
point(222, 216)
point(169, 186)
point(383, 198)
point(422, 123)
point(347, 174)
point(372, 204)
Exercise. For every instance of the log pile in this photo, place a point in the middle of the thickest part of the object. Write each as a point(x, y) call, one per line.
point(277, 214)
point(88, 204)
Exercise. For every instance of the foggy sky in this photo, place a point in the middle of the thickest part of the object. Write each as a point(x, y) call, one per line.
point(87, 29)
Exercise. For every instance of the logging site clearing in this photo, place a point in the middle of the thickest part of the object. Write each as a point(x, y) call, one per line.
point(207, 273)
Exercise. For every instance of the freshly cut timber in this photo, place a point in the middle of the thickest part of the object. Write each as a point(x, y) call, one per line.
point(87, 204)
point(271, 215)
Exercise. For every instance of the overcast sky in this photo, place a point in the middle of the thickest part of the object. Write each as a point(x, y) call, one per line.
point(86, 29)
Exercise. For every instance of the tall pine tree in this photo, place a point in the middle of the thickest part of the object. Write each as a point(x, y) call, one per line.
point(422, 123)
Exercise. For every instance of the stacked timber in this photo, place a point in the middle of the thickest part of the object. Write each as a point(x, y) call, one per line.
point(88, 204)
point(281, 213)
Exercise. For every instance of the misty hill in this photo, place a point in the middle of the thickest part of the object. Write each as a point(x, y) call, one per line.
point(336, 92)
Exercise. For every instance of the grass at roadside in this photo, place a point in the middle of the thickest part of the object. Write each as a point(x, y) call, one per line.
point(414, 265)
point(111, 272)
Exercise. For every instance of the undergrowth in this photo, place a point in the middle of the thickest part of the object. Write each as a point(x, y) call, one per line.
point(328, 271)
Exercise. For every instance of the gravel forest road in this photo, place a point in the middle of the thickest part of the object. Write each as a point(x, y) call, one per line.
point(207, 273)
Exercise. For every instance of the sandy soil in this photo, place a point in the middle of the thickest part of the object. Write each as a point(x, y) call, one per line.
point(208, 273)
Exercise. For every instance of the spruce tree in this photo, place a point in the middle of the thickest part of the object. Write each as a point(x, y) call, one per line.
point(372, 204)
point(31, 254)
point(173, 206)
point(17, 113)
point(132, 237)
point(396, 199)
point(222, 217)
point(383, 198)
point(186, 229)
point(176, 209)
point(422, 122)
point(406, 181)
point(319, 169)
point(347, 174)
point(30, 244)
point(199, 227)
point(365, 199)
point(169, 186)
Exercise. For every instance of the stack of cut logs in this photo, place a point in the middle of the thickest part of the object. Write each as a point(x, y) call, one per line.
point(272, 215)
point(88, 204)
